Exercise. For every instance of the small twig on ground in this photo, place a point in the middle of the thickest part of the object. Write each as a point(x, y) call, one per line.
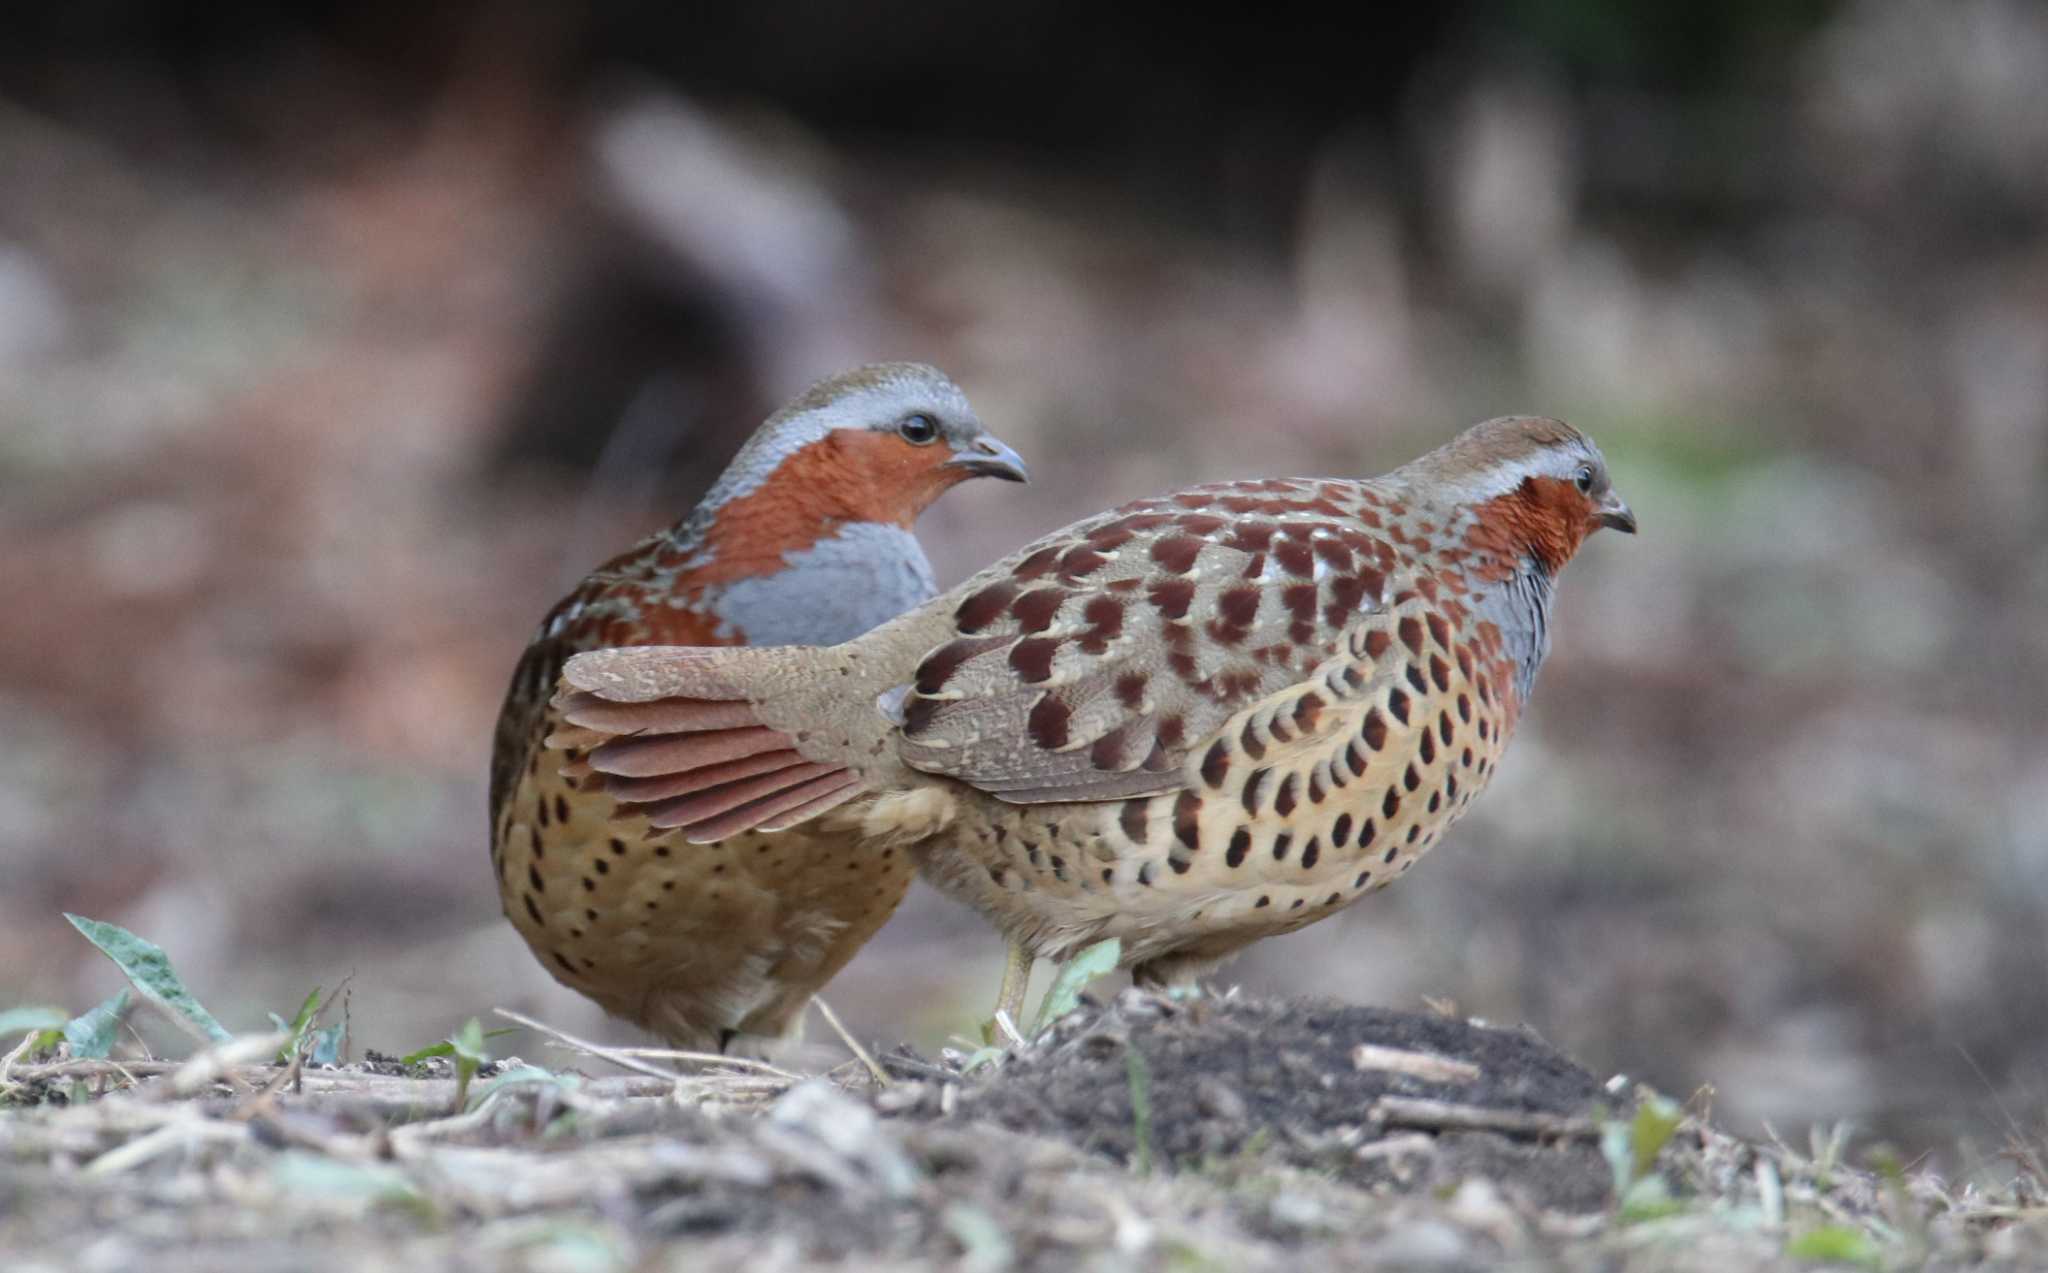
point(1408, 1111)
point(622, 1058)
point(860, 1053)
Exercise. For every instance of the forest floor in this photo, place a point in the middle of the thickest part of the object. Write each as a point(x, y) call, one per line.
point(1146, 1133)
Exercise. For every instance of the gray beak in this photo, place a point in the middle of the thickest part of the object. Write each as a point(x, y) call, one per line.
point(1615, 515)
point(989, 456)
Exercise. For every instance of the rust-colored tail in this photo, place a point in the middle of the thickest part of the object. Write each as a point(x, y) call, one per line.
point(677, 732)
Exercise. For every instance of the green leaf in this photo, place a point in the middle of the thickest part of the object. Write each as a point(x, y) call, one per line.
point(1139, 1076)
point(1656, 1121)
point(1065, 996)
point(299, 1028)
point(468, 1043)
point(326, 1044)
point(524, 1074)
point(92, 1034)
point(446, 1047)
point(31, 1020)
point(149, 970)
point(1835, 1244)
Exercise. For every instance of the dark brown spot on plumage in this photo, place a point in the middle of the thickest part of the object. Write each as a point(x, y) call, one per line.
point(1414, 832)
point(1376, 643)
point(1439, 630)
point(561, 808)
point(1466, 760)
point(1281, 843)
point(1240, 844)
point(1415, 679)
point(1397, 705)
point(1158, 760)
point(1297, 905)
point(1294, 555)
point(1391, 805)
point(1037, 564)
point(1147, 871)
point(1440, 672)
point(1263, 901)
point(1105, 617)
point(1315, 786)
point(589, 885)
point(1355, 758)
point(1374, 731)
point(1036, 609)
point(1047, 723)
point(1109, 875)
point(1172, 597)
point(984, 606)
point(1308, 709)
point(1436, 801)
point(1031, 658)
point(1410, 630)
point(1176, 553)
point(540, 809)
point(1187, 810)
point(1238, 607)
point(1366, 833)
point(1334, 554)
point(1248, 740)
point(1130, 689)
point(1340, 831)
point(1411, 779)
point(1464, 709)
point(566, 965)
point(1216, 764)
point(1393, 851)
point(1443, 726)
point(1451, 786)
point(1180, 865)
point(1253, 786)
point(1310, 852)
point(1107, 752)
point(940, 665)
point(1347, 593)
point(1200, 523)
point(533, 878)
point(1079, 563)
point(533, 910)
point(603, 867)
point(1363, 876)
point(1428, 747)
point(1285, 798)
point(1251, 537)
point(1485, 692)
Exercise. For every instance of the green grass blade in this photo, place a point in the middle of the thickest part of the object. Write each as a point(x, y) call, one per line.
point(92, 1034)
point(149, 970)
point(1065, 996)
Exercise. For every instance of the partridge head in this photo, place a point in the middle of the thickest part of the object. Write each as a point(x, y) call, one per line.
point(1187, 723)
point(805, 538)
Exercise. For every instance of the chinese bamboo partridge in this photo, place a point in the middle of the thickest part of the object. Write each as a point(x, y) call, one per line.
point(1188, 723)
point(804, 539)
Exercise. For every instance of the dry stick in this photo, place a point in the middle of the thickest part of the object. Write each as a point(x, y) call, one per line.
point(860, 1053)
point(1408, 1111)
point(624, 1058)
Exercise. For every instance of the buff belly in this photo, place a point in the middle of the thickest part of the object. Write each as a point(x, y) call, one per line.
point(713, 947)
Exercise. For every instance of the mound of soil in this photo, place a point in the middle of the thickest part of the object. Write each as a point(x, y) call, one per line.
point(1306, 1082)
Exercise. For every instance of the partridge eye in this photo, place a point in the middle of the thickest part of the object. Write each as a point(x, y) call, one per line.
point(918, 429)
point(1584, 479)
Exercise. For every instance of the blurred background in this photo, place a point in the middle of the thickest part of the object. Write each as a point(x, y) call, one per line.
point(335, 346)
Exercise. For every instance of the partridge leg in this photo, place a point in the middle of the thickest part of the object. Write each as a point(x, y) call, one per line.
point(1017, 963)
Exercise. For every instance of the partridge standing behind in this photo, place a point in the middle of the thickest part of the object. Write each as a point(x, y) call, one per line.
point(1188, 723)
point(805, 539)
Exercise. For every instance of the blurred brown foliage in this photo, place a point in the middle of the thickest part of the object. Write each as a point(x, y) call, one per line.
point(324, 369)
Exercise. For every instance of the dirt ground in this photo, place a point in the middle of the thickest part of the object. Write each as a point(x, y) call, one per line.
point(1225, 1133)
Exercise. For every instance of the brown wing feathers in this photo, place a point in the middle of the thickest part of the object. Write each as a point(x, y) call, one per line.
point(678, 741)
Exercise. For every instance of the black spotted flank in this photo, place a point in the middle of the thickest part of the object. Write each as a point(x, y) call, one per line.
point(1240, 844)
point(1216, 765)
point(1397, 704)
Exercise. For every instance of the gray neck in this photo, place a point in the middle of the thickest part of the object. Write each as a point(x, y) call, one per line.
point(1520, 607)
point(857, 578)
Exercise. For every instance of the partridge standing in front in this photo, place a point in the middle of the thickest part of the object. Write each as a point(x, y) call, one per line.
point(1188, 723)
point(804, 539)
